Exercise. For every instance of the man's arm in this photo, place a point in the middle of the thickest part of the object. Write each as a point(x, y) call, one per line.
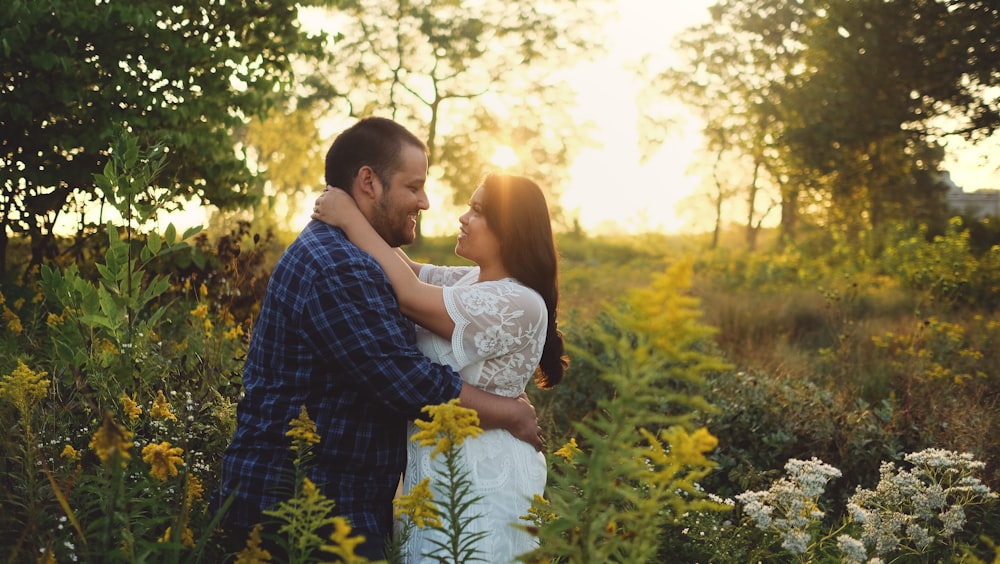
point(516, 415)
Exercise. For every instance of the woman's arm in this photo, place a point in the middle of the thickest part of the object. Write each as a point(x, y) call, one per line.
point(423, 303)
point(414, 266)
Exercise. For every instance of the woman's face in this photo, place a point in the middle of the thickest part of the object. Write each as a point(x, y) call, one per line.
point(476, 241)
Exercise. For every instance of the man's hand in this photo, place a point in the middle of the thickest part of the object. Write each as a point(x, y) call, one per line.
point(526, 425)
point(515, 415)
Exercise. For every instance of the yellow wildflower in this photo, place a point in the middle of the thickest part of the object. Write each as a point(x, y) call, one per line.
point(109, 439)
point(450, 424)
point(343, 543)
point(234, 333)
point(70, 453)
point(569, 450)
point(161, 409)
point(302, 431)
point(53, 320)
point(208, 327)
point(253, 553)
point(539, 513)
point(419, 505)
point(24, 388)
point(194, 490)
point(690, 448)
point(163, 459)
point(187, 537)
point(13, 321)
point(203, 290)
point(131, 408)
point(201, 312)
point(309, 489)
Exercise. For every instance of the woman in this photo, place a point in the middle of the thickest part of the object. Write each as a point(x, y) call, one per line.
point(495, 324)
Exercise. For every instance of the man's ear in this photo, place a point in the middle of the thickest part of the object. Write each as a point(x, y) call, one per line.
point(366, 184)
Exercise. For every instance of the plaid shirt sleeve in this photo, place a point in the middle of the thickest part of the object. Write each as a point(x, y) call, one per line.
point(329, 336)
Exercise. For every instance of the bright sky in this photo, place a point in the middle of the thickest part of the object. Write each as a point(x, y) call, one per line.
point(611, 189)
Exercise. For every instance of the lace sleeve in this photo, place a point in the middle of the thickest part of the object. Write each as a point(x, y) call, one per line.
point(444, 275)
point(501, 324)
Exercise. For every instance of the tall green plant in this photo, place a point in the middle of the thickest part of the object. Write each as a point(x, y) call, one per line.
point(104, 337)
point(641, 454)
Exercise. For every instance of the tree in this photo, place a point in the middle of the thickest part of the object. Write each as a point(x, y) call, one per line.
point(184, 73)
point(732, 64)
point(847, 98)
point(469, 77)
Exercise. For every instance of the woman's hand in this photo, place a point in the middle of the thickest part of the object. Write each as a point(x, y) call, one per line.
point(335, 207)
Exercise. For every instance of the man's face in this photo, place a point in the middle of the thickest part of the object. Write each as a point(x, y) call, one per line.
point(395, 214)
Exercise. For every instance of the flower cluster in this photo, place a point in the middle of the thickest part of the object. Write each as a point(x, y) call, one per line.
point(911, 510)
point(24, 388)
point(111, 439)
point(302, 431)
point(449, 426)
point(789, 507)
point(419, 505)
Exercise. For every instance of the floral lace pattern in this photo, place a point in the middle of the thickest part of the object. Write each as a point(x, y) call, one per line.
point(497, 343)
point(499, 329)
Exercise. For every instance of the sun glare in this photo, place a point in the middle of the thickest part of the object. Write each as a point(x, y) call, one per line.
point(504, 157)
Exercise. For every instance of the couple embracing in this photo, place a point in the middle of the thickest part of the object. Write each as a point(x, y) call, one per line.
point(364, 338)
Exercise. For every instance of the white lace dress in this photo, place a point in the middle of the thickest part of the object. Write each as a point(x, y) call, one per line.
point(499, 333)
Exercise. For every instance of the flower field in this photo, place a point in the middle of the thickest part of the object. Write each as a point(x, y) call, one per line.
point(808, 404)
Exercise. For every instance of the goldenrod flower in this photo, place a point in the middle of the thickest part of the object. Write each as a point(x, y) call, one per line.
point(53, 320)
point(201, 312)
point(569, 450)
point(109, 439)
point(24, 388)
point(309, 489)
point(161, 409)
point(163, 459)
point(419, 505)
point(343, 543)
point(70, 453)
point(234, 333)
point(690, 448)
point(203, 290)
point(253, 553)
point(187, 537)
point(13, 321)
point(195, 489)
point(539, 513)
point(450, 424)
point(302, 431)
point(131, 408)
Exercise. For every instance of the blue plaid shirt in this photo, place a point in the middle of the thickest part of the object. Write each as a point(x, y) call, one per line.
point(329, 336)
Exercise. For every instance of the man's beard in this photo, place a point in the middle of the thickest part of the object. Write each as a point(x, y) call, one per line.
point(395, 231)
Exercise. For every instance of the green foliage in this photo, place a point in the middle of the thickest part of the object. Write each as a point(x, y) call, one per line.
point(187, 73)
point(107, 330)
point(640, 455)
point(945, 268)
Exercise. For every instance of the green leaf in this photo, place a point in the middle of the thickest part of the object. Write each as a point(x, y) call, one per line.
point(191, 232)
point(171, 234)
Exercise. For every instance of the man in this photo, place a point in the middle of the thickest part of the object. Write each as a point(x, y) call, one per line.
point(330, 337)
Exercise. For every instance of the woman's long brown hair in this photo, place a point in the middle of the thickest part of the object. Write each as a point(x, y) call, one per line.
point(517, 213)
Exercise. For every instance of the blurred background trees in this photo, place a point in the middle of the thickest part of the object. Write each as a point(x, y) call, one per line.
point(187, 74)
point(837, 108)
